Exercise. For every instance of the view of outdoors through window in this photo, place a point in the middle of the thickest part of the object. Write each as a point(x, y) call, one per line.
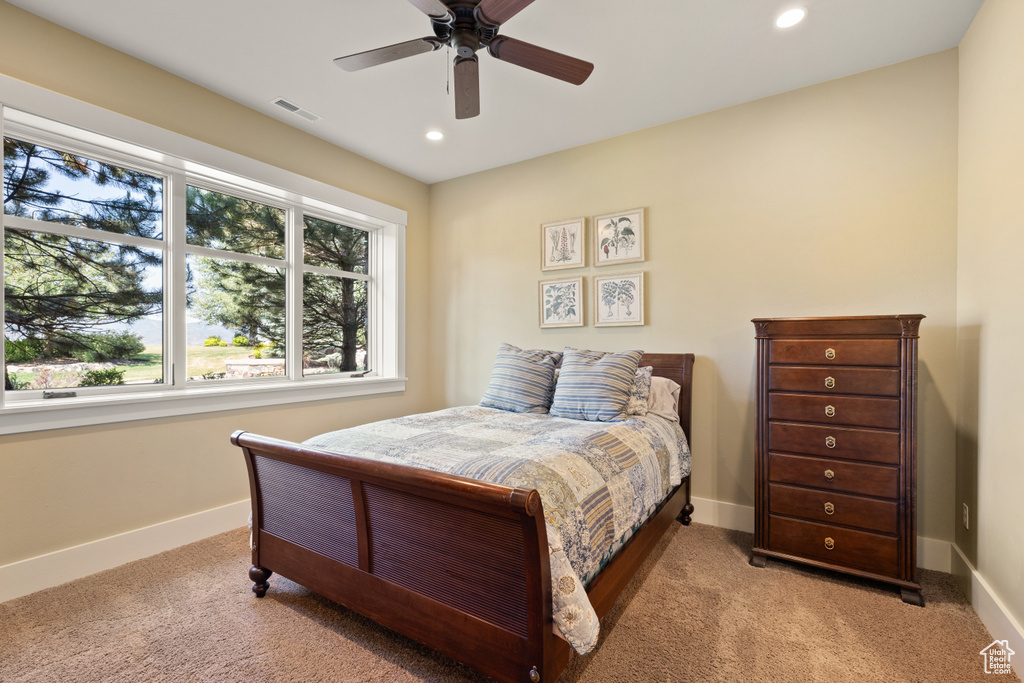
point(74, 305)
point(236, 309)
point(334, 304)
point(84, 279)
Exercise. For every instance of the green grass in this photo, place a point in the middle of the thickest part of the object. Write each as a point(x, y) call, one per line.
point(201, 360)
point(206, 359)
point(151, 370)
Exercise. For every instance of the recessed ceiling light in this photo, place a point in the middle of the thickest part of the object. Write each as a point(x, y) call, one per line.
point(435, 135)
point(790, 18)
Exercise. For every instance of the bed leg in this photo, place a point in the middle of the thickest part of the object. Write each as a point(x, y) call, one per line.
point(259, 576)
point(684, 514)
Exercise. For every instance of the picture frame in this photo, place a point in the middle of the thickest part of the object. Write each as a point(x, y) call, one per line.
point(618, 300)
point(561, 302)
point(563, 244)
point(619, 237)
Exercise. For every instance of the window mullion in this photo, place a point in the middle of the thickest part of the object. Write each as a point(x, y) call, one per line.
point(334, 272)
point(233, 256)
point(175, 325)
point(78, 232)
point(293, 294)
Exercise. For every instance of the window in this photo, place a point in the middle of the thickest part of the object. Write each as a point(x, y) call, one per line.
point(236, 277)
point(335, 297)
point(139, 284)
point(75, 287)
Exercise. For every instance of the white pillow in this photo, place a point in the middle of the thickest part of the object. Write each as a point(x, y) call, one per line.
point(664, 399)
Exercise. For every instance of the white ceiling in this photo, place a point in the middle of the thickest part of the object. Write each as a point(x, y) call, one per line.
point(655, 61)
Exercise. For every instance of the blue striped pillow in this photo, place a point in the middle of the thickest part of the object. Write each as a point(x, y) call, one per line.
point(521, 381)
point(594, 385)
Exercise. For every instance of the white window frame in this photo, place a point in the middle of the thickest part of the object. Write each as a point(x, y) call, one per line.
point(54, 120)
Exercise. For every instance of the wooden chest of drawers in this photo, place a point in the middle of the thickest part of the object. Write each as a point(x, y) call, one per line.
point(836, 445)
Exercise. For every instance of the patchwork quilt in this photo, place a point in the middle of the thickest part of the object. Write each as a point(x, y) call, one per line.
point(598, 481)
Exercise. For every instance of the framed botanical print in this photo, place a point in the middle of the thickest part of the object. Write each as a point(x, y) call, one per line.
point(619, 300)
point(562, 244)
point(561, 303)
point(619, 237)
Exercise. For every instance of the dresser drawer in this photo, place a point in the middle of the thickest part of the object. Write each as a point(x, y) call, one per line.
point(829, 507)
point(844, 410)
point(854, 549)
point(835, 351)
point(836, 442)
point(872, 381)
point(834, 475)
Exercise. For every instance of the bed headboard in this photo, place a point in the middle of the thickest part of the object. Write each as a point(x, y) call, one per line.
point(677, 367)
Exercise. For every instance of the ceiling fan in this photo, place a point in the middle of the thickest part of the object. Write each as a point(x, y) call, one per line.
point(467, 26)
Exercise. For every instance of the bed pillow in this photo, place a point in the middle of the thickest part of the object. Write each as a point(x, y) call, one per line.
point(664, 400)
point(521, 380)
point(640, 393)
point(594, 385)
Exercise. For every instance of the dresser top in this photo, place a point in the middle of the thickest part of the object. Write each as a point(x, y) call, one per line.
point(840, 326)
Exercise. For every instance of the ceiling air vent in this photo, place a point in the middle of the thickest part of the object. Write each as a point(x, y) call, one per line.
point(296, 109)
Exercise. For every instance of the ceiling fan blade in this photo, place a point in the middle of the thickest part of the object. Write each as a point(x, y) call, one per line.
point(435, 9)
point(539, 59)
point(467, 88)
point(383, 55)
point(499, 11)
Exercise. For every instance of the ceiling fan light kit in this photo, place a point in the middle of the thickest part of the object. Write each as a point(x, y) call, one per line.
point(466, 26)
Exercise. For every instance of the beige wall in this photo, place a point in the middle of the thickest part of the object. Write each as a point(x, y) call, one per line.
point(66, 487)
point(990, 468)
point(837, 199)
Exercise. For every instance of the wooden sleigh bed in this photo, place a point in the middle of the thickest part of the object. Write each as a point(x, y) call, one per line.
point(459, 565)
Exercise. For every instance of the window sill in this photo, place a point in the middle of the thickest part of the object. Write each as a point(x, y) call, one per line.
point(40, 415)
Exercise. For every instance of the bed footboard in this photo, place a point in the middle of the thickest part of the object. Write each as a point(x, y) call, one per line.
point(456, 564)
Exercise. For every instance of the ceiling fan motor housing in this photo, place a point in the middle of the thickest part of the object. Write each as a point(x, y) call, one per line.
point(465, 42)
point(467, 32)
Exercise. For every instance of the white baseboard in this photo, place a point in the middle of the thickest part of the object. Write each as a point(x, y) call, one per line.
point(993, 612)
point(725, 515)
point(45, 571)
point(932, 553)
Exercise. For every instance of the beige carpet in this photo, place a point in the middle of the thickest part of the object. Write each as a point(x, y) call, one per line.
point(696, 612)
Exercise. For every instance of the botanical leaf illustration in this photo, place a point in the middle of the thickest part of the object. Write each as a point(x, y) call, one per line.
point(563, 244)
point(619, 238)
point(560, 302)
point(618, 296)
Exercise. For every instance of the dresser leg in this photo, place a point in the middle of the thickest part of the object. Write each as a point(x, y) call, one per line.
point(912, 597)
point(758, 561)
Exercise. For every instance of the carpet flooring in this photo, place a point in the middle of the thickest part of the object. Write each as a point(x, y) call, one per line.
point(696, 611)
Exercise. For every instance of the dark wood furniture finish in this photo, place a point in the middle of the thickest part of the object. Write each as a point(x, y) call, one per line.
point(835, 481)
point(456, 564)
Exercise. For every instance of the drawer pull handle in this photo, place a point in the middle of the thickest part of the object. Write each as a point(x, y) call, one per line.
point(830, 354)
point(830, 441)
point(830, 382)
point(830, 411)
point(829, 543)
point(830, 475)
point(829, 508)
